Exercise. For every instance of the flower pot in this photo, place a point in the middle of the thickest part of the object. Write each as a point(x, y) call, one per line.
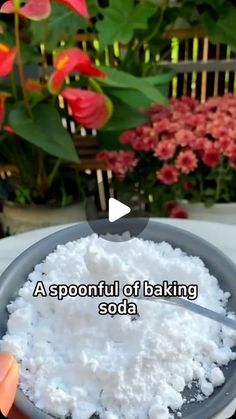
point(109, 139)
point(18, 218)
point(218, 213)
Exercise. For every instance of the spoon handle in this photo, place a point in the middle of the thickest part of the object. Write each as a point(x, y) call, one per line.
point(196, 308)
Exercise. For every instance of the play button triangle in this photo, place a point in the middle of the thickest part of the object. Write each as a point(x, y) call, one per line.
point(117, 210)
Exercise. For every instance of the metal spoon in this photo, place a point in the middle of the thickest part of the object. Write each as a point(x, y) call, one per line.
point(196, 308)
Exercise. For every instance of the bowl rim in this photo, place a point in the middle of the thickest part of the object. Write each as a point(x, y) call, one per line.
point(214, 259)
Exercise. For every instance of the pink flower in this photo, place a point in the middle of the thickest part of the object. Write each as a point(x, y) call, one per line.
point(147, 143)
point(178, 212)
point(184, 137)
point(232, 133)
point(186, 162)
point(168, 174)
point(211, 156)
point(213, 102)
point(201, 130)
point(175, 127)
point(198, 144)
point(120, 162)
point(184, 104)
point(230, 151)
point(162, 126)
point(193, 120)
point(127, 137)
point(189, 101)
point(219, 131)
point(224, 144)
point(165, 150)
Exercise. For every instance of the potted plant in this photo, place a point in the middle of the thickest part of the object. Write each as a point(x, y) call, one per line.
point(184, 159)
point(132, 37)
point(40, 189)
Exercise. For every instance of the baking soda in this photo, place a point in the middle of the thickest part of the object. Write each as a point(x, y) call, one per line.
point(75, 362)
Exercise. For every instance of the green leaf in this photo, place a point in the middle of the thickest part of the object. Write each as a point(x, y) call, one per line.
point(93, 8)
point(45, 131)
point(117, 78)
point(124, 117)
point(121, 19)
point(222, 30)
point(62, 24)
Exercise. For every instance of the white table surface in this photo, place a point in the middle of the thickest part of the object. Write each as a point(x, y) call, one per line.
point(221, 235)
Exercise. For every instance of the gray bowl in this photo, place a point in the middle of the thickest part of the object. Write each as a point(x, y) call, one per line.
point(219, 265)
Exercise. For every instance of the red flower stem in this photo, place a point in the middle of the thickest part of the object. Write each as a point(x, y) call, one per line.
point(20, 63)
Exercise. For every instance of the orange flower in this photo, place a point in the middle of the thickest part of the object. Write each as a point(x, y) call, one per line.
point(68, 61)
point(34, 10)
point(7, 57)
point(3, 97)
point(90, 109)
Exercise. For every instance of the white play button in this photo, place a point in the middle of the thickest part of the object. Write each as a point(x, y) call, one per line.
point(117, 210)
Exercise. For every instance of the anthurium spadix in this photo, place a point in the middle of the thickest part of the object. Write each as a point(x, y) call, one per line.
point(7, 57)
point(41, 9)
point(69, 61)
point(90, 109)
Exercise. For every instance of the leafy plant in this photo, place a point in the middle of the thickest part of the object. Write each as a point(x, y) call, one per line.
point(121, 19)
point(141, 24)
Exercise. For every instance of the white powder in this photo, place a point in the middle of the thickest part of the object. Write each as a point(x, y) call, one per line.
point(76, 362)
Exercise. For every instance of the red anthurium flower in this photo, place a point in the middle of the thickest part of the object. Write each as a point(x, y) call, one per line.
point(3, 97)
point(69, 61)
point(33, 9)
point(7, 57)
point(90, 109)
point(79, 6)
